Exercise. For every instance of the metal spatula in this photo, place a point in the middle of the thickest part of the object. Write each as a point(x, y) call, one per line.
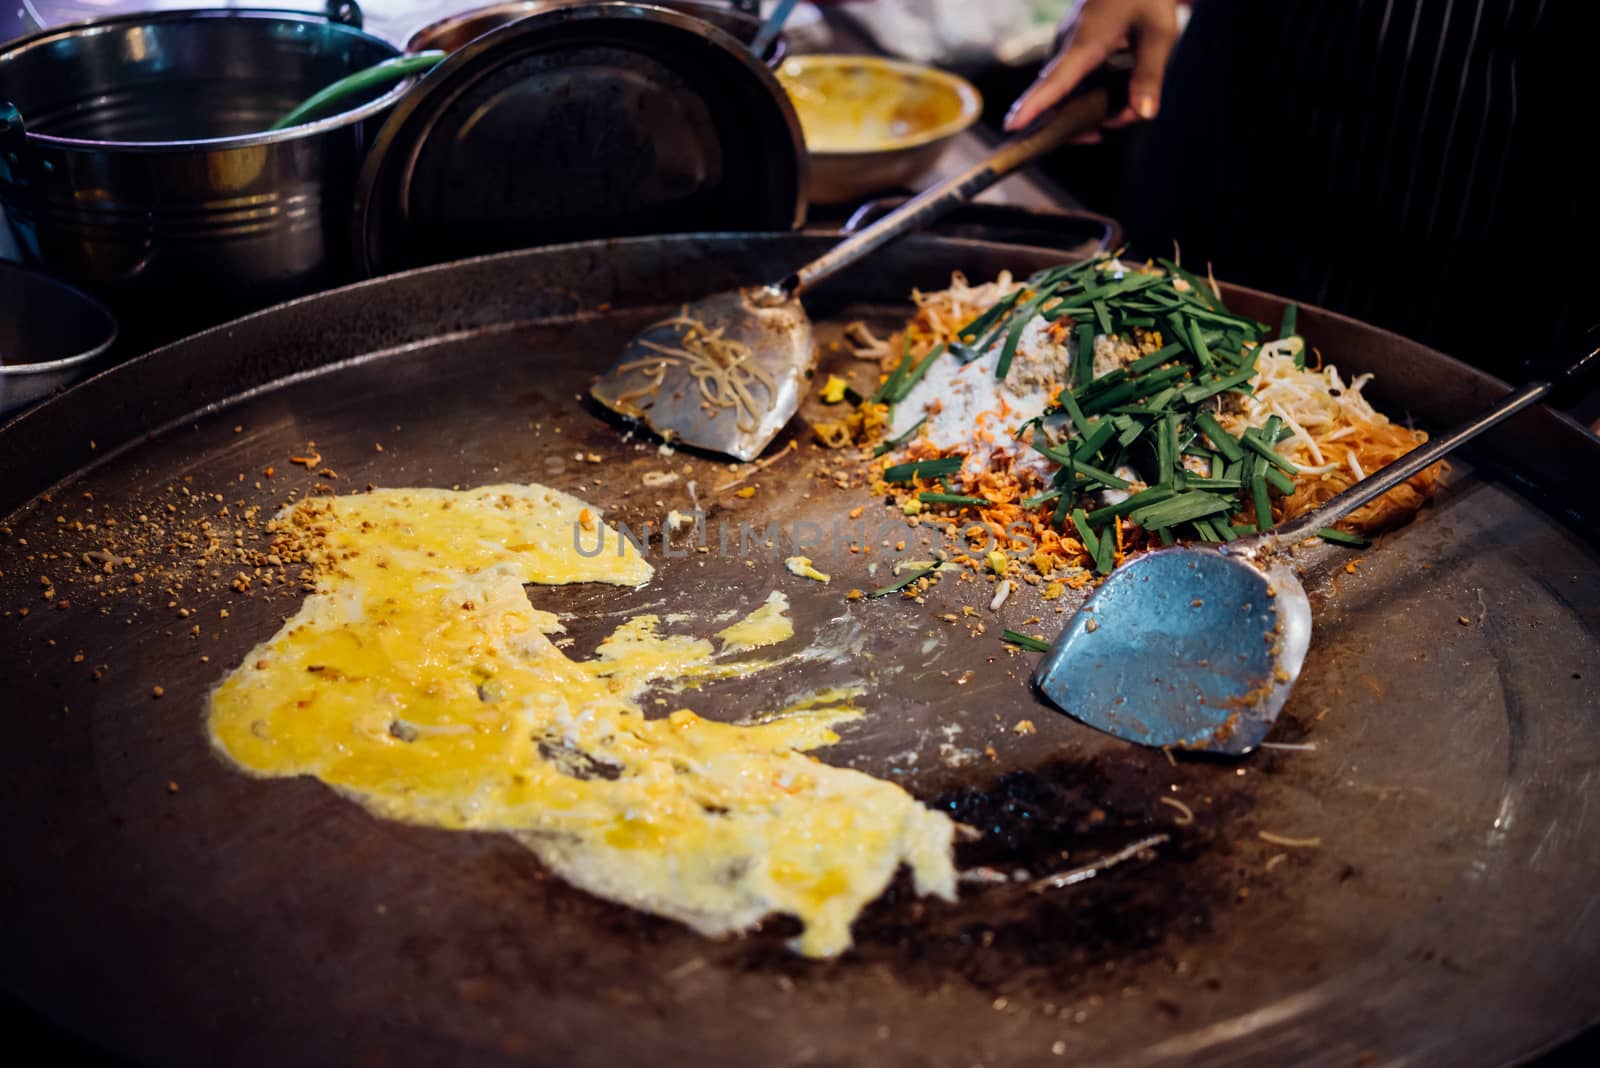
point(1197, 646)
point(726, 374)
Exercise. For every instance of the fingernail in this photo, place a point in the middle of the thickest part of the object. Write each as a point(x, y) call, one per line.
point(1146, 107)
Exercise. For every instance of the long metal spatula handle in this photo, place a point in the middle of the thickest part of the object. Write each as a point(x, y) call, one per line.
point(1080, 113)
point(1425, 456)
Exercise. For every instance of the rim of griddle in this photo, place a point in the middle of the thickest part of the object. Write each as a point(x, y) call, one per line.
point(46, 445)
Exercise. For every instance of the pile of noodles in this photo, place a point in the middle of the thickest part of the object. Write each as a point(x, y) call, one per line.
point(1338, 437)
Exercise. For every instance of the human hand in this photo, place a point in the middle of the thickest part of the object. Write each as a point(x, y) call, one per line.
point(1092, 30)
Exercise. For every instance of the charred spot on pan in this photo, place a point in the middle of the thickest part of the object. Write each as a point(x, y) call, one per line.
point(1048, 819)
point(1010, 939)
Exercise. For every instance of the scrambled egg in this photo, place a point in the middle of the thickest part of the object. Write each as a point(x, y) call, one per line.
point(851, 104)
point(420, 681)
point(804, 568)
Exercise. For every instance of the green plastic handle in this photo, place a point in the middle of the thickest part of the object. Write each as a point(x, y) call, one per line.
point(378, 76)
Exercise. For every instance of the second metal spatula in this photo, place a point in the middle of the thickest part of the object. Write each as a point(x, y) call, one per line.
point(726, 373)
point(1198, 646)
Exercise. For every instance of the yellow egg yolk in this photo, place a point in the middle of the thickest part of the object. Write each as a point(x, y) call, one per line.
point(419, 680)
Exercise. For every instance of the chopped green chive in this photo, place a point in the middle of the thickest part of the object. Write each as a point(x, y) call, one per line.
point(1183, 508)
point(1252, 440)
point(1083, 355)
point(900, 584)
point(1156, 381)
point(1154, 360)
point(1152, 495)
point(911, 380)
point(1102, 315)
point(947, 465)
point(954, 498)
point(895, 443)
point(1002, 366)
point(1339, 537)
point(1215, 484)
point(1263, 503)
point(1086, 534)
point(1280, 481)
point(1074, 411)
point(1166, 449)
point(1206, 390)
point(1025, 641)
point(1225, 443)
point(1201, 352)
point(979, 326)
point(1291, 319)
point(1108, 400)
point(1103, 432)
point(1105, 478)
point(1058, 515)
point(1105, 557)
point(887, 388)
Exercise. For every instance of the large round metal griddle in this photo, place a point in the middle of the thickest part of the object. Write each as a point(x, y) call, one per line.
point(165, 906)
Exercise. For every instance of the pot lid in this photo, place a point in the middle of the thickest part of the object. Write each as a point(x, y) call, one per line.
point(603, 120)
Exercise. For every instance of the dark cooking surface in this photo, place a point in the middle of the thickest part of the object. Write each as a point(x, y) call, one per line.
point(1445, 917)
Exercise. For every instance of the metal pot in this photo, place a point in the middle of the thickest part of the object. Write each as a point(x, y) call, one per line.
point(740, 21)
point(143, 174)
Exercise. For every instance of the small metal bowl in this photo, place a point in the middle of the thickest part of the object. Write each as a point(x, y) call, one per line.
point(457, 30)
point(49, 334)
point(873, 125)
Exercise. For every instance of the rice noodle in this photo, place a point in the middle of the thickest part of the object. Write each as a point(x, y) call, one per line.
point(1338, 436)
point(722, 367)
point(944, 312)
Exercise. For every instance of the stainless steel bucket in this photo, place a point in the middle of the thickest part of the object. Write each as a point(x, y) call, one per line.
point(142, 174)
